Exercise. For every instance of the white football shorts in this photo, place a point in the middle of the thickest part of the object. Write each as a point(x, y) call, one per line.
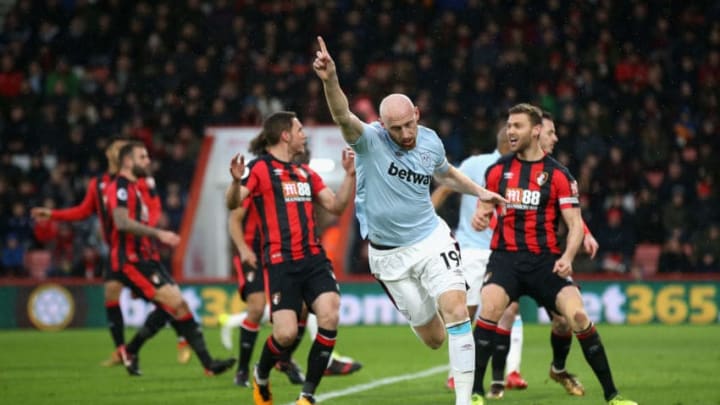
point(416, 275)
point(474, 264)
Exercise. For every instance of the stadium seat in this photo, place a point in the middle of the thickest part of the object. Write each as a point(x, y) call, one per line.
point(646, 258)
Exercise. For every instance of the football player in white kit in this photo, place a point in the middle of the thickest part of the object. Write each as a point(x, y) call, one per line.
point(412, 251)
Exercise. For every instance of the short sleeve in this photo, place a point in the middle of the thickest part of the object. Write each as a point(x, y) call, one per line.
point(369, 134)
point(316, 182)
point(492, 177)
point(251, 177)
point(566, 189)
point(122, 192)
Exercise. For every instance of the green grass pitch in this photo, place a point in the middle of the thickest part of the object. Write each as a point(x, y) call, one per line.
point(654, 364)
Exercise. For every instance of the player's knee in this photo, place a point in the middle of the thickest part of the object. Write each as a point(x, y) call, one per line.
point(255, 314)
point(455, 314)
point(328, 319)
point(580, 319)
point(560, 325)
point(491, 311)
point(113, 289)
point(285, 336)
point(434, 340)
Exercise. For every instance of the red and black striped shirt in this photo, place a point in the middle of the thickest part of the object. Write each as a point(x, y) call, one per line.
point(126, 247)
point(93, 203)
point(283, 193)
point(536, 192)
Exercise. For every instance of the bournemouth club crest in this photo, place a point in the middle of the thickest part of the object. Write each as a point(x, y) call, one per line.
point(541, 178)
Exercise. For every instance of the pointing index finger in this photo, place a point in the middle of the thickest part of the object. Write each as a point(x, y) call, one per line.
point(323, 48)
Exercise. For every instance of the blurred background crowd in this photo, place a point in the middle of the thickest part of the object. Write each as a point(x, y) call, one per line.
point(634, 87)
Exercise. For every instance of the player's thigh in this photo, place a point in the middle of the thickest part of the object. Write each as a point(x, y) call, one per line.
point(569, 303)
point(147, 278)
point(542, 284)
point(321, 292)
point(474, 264)
point(411, 299)
point(439, 266)
point(284, 289)
point(250, 279)
point(503, 270)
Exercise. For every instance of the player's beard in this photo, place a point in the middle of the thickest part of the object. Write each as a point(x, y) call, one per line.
point(139, 171)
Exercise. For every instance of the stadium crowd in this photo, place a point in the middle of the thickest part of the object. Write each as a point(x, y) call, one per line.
point(634, 88)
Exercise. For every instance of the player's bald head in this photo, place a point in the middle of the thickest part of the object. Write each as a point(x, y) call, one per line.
point(503, 142)
point(395, 106)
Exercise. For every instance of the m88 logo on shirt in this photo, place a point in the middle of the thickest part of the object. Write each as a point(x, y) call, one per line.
point(296, 191)
point(521, 199)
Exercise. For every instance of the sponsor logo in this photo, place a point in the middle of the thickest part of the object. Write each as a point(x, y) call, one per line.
point(521, 199)
point(278, 172)
point(426, 159)
point(541, 178)
point(51, 307)
point(507, 175)
point(296, 191)
point(409, 175)
point(122, 194)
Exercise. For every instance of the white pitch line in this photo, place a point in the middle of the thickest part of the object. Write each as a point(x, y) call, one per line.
point(377, 383)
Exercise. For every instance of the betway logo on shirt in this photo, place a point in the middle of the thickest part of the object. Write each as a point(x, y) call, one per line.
point(409, 175)
point(296, 191)
point(521, 199)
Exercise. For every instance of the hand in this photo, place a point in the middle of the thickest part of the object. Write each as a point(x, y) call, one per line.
point(40, 213)
point(237, 167)
point(491, 197)
point(590, 245)
point(323, 64)
point(348, 161)
point(247, 256)
point(169, 238)
point(481, 219)
point(563, 267)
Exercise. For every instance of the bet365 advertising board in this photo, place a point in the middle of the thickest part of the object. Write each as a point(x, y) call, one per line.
point(54, 306)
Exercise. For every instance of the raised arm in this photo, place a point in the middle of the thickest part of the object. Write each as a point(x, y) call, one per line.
point(324, 66)
point(336, 203)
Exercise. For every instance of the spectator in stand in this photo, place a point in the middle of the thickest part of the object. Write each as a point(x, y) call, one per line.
point(675, 214)
point(707, 249)
point(167, 67)
point(674, 257)
point(648, 219)
point(11, 259)
point(617, 242)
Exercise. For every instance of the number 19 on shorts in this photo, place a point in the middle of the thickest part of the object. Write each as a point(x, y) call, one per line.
point(451, 258)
